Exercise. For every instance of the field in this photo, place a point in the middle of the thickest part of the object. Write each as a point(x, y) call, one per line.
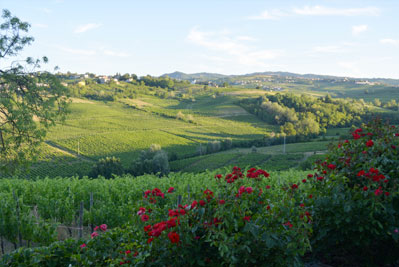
point(95, 129)
point(268, 158)
point(124, 127)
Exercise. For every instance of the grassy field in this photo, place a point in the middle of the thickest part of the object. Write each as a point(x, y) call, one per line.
point(95, 129)
point(269, 158)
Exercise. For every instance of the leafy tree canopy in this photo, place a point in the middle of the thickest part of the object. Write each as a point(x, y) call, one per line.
point(30, 101)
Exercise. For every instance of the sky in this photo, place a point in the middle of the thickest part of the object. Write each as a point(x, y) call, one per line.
point(344, 38)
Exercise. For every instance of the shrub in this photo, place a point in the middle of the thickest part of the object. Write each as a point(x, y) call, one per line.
point(153, 160)
point(213, 146)
point(357, 203)
point(107, 167)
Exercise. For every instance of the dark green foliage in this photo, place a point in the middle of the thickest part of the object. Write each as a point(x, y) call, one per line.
point(360, 199)
point(107, 167)
point(153, 160)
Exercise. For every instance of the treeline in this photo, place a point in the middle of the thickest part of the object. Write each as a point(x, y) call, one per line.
point(151, 161)
point(306, 115)
point(391, 104)
point(123, 86)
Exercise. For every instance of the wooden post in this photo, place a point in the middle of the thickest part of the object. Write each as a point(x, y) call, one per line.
point(18, 219)
point(91, 207)
point(188, 191)
point(2, 245)
point(81, 220)
point(178, 200)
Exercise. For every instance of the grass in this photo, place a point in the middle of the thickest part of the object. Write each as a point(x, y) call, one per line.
point(97, 129)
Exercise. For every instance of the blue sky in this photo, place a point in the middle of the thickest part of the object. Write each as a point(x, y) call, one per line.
point(346, 38)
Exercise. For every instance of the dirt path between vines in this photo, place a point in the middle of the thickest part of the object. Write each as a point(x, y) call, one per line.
point(68, 151)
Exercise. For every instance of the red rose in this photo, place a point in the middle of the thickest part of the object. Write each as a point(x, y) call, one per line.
point(171, 223)
point(202, 203)
point(331, 166)
point(267, 186)
point(289, 224)
point(145, 217)
point(294, 186)
point(174, 237)
point(356, 136)
point(247, 218)
point(149, 240)
point(94, 234)
point(304, 181)
point(378, 191)
point(365, 188)
point(182, 212)
point(171, 189)
point(103, 227)
point(369, 143)
point(310, 175)
point(221, 202)
point(361, 173)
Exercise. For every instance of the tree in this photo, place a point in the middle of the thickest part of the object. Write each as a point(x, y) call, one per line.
point(153, 160)
point(106, 167)
point(30, 101)
point(377, 102)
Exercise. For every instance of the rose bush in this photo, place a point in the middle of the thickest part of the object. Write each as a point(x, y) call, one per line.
point(356, 204)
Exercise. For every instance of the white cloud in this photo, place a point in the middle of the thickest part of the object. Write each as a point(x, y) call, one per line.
point(352, 68)
point(357, 29)
point(232, 49)
point(46, 10)
point(40, 25)
point(273, 14)
point(86, 27)
point(114, 53)
point(389, 41)
point(329, 49)
point(331, 11)
point(338, 48)
point(245, 38)
point(81, 52)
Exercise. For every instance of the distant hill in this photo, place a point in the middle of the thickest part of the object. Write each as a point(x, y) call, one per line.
point(195, 76)
point(205, 76)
